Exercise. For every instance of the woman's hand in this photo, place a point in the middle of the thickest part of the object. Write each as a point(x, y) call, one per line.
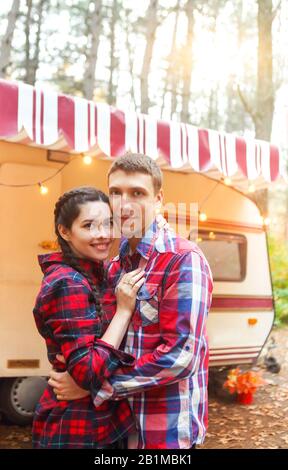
point(126, 291)
point(65, 387)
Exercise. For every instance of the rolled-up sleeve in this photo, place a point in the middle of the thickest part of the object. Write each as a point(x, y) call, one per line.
point(69, 315)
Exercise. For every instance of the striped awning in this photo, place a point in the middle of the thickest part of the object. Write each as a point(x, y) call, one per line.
point(42, 117)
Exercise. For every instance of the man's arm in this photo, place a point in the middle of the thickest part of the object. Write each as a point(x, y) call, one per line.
point(182, 316)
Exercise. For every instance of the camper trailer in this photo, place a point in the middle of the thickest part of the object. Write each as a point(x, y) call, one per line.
point(43, 139)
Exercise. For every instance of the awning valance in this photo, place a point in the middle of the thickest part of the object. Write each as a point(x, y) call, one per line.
point(42, 117)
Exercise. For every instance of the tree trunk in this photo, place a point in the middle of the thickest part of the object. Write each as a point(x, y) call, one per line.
point(28, 21)
point(113, 59)
point(262, 115)
point(151, 26)
point(91, 57)
point(265, 96)
point(172, 74)
point(127, 26)
point(188, 61)
point(6, 43)
point(213, 113)
point(235, 113)
point(32, 63)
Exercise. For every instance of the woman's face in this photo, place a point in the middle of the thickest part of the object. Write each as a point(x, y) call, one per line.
point(90, 235)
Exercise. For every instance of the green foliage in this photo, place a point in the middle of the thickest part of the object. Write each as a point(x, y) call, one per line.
point(278, 251)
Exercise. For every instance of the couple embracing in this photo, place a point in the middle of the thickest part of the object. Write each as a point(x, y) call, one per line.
point(126, 338)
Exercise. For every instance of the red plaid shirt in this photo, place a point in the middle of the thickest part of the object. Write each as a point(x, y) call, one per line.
point(66, 318)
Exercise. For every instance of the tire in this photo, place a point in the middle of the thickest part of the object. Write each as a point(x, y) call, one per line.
point(19, 397)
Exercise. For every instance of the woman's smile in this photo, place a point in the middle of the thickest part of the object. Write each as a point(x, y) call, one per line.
point(103, 246)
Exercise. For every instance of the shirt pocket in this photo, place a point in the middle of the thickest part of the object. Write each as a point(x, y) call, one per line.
point(148, 304)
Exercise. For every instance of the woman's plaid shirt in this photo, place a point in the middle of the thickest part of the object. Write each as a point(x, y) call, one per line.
point(66, 318)
point(167, 335)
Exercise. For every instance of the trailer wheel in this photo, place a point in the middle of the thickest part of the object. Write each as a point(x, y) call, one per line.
point(19, 397)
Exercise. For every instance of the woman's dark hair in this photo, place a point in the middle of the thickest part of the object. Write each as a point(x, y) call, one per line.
point(67, 209)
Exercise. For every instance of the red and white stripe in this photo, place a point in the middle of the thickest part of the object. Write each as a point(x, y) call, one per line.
point(45, 118)
point(234, 355)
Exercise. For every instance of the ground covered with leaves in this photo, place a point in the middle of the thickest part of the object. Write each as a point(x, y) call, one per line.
point(262, 425)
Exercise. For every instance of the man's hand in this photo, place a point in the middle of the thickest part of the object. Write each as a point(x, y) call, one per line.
point(64, 386)
point(105, 393)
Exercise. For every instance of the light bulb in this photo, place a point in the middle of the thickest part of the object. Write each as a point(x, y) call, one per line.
point(43, 189)
point(202, 217)
point(87, 160)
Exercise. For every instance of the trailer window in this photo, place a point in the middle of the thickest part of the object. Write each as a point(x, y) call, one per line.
point(225, 252)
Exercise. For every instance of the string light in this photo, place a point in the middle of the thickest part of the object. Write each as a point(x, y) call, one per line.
point(202, 217)
point(227, 181)
point(43, 189)
point(87, 160)
point(266, 221)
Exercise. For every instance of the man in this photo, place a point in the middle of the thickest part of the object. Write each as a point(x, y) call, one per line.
point(167, 387)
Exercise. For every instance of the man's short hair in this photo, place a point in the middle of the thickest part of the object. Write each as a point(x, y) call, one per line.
point(138, 163)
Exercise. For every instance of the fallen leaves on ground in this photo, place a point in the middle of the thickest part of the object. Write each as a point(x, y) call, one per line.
point(261, 425)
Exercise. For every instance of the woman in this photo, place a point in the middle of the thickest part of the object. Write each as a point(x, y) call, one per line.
point(70, 318)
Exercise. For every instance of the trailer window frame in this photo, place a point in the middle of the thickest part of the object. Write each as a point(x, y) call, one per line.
point(242, 250)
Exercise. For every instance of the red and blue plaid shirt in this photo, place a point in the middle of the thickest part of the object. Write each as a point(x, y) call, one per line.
point(65, 316)
point(168, 384)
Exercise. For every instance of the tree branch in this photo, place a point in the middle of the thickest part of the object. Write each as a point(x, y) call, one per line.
point(275, 11)
point(246, 106)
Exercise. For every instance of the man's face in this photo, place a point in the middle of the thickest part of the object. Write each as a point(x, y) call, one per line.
point(133, 201)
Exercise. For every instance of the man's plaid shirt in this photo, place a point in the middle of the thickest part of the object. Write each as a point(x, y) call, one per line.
point(65, 316)
point(168, 384)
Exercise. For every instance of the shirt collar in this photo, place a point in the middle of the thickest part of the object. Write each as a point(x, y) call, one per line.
point(94, 268)
point(161, 240)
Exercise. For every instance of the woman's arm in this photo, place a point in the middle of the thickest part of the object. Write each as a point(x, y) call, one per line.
point(70, 319)
point(126, 292)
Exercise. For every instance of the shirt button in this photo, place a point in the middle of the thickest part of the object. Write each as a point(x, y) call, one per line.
point(187, 348)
